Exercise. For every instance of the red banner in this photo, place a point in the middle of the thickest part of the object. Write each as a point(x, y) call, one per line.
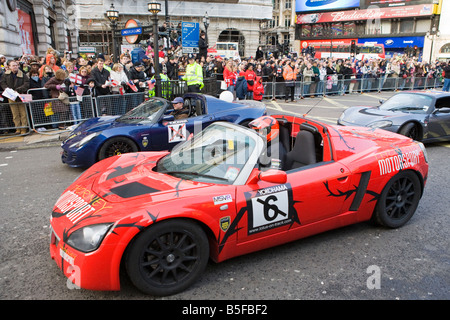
point(326, 42)
point(367, 14)
point(26, 32)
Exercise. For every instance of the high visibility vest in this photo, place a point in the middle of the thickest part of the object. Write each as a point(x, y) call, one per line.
point(194, 75)
point(289, 73)
point(166, 89)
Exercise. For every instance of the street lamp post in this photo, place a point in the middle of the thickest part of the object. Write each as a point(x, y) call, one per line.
point(206, 24)
point(432, 36)
point(113, 16)
point(154, 8)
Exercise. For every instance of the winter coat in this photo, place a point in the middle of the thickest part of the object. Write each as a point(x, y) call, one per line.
point(57, 105)
point(241, 87)
point(20, 82)
point(100, 78)
point(250, 76)
point(258, 89)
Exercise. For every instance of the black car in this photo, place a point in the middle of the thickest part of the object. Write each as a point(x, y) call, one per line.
point(420, 115)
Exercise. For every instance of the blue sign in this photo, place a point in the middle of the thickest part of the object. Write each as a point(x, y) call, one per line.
point(131, 31)
point(190, 34)
point(395, 42)
point(318, 5)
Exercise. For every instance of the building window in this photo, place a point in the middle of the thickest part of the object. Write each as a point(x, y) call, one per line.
point(287, 4)
point(52, 32)
point(287, 21)
point(445, 48)
point(407, 26)
point(306, 31)
point(349, 28)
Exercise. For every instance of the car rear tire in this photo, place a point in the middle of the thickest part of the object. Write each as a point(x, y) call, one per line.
point(410, 130)
point(116, 146)
point(168, 257)
point(398, 201)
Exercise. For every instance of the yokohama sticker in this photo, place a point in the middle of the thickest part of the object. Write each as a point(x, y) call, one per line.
point(270, 208)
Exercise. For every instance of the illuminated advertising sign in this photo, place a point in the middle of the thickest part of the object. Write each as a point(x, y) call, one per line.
point(372, 13)
point(319, 5)
point(393, 3)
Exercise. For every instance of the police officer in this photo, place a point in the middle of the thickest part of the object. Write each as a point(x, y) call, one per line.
point(194, 75)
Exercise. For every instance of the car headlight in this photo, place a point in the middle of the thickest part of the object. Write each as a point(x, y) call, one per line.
point(88, 238)
point(85, 140)
point(424, 151)
point(380, 124)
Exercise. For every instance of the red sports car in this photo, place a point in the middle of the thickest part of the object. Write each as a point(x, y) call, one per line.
point(229, 191)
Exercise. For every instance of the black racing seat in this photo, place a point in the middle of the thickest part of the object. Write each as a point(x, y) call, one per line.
point(303, 153)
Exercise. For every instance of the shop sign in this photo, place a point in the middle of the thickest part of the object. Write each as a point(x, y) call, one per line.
point(394, 42)
point(319, 5)
point(367, 14)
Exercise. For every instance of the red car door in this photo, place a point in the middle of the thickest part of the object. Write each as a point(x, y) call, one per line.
point(269, 211)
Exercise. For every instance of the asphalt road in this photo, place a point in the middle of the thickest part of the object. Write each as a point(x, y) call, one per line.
point(355, 262)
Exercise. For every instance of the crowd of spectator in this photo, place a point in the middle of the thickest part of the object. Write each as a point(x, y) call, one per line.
point(62, 76)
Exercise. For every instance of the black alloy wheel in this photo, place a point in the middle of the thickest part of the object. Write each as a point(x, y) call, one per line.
point(399, 200)
point(116, 146)
point(168, 257)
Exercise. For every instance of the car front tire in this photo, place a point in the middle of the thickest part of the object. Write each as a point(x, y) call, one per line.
point(410, 130)
point(168, 257)
point(398, 200)
point(116, 146)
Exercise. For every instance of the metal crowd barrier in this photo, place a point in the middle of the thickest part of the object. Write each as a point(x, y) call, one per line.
point(350, 86)
point(7, 123)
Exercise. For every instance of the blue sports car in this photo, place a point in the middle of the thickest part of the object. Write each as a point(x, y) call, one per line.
point(152, 126)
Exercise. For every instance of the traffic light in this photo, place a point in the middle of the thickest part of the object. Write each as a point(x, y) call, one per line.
point(353, 47)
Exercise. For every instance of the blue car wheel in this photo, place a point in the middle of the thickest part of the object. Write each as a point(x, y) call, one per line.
point(116, 146)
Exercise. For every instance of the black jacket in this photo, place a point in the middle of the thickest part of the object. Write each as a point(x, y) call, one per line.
point(100, 78)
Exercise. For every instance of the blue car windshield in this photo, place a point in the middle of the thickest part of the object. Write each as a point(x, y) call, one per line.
point(408, 102)
point(147, 112)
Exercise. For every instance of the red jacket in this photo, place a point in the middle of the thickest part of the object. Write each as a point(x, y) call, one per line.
point(250, 76)
point(258, 89)
point(229, 77)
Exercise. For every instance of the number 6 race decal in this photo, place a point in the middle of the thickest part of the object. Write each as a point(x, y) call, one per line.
point(270, 208)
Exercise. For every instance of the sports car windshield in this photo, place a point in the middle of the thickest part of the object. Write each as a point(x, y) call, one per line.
point(147, 112)
point(216, 155)
point(408, 102)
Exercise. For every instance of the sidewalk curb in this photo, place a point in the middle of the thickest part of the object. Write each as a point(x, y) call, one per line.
point(33, 140)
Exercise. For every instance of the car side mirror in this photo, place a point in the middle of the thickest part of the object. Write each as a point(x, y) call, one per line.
point(273, 176)
point(442, 110)
point(381, 101)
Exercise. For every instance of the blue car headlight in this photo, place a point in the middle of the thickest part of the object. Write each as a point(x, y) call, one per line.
point(85, 140)
point(88, 238)
point(380, 124)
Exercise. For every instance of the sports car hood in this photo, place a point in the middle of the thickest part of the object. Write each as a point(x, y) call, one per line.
point(363, 116)
point(131, 176)
point(97, 124)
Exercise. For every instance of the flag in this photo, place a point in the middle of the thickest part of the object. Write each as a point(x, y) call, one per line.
point(75, 78)
point(115, 83)
point(132, 86)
